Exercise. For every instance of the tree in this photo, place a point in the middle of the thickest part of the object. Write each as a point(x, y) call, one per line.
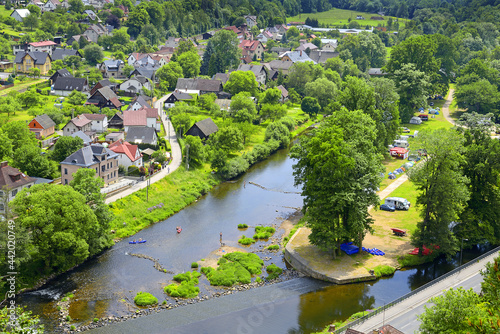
point(243, 108)
point(338, 167)
point(442, 189)
point(271, 96)
point(279, 132)
point(19, 134)
point(302, 73)
point(64, 228)
point(94, 76)
point(29, 159)
point(168, 75)
point(386, 99)
point(137, 19)
point(150, 33)
point(196, 150)
point(25, 321)
point(190, 63)
point(76, 6)
point(29, 98)
point(367, 50)
point(9, 105)
point(65, 146)
point(412, 87)
point(113, 20)
point(34, 9)
point(480, 96)
point(310, 106)
point(93, 53)
point(490, 287)
point(6, 147)
point(76, 98)
point(222, 50)
point(242, 81)
point(228, 139)
point(272, 111)
point(182, 122)
point(55, 114)
point(322, 89)
point(31, 21)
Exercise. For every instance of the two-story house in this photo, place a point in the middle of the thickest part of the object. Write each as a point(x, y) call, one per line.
point(64, 86)
point(135, 84)
point(112, 68)
point(11, 182)
point(99, 122)
point(251, 49)
point(258, 70)
point(94, 31)
point(42, 125)
point(97, 157)
point(26, 60)
point(51, 5)
point(105, 98)
point(128, 154)
point(79, 123)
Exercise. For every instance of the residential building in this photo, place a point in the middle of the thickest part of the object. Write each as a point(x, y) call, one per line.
point(94, 31)
point(115, 136)
point(64, 86)
point(251, 48)
point(91, 16)
point(198, 86)
point(140, 59)
point(104, 83)
point(329, 44)
point(37, 3)
point(45, 46)
point(284, 93)
point(26, 60)
point(42, 125)
point(142, 135)
point(76, 38)
point(135, 84)
point(295, 57)
point(51, 5)
point(148, 72)
point(87, 140)
point(251, 20)
point(62, 73)
point(203, 129)
point(278, 65)
point(97, 157)
point(12, 181)
point(141, 101)
point(116, 122)
point(79, 123)
point(280, 50)
point(258, 70)
point(112, 68)
point(376, 72)
point(321, 56)
point(104, 98)
point(141, 117)
point(99, 122)
point(60, 54)
point(128, 154)
point(176, 97)
point(20, 14)
point(223, 77)
point(305, 46)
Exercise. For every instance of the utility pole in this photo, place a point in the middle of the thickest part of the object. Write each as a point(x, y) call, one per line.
point(187, 156)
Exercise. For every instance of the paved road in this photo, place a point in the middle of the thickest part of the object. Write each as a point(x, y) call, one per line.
point(403, 315)
point(174, 164)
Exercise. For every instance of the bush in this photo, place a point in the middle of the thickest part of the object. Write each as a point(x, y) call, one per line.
point(263, 232)
point(72, 327)
point(234, 167)
point(279, 132)
point(68, 318)
point(288, 122)
point(145, 298)
point(186, 289)
point(133, 171)
point(258, 279)
point(251, 262)
point(414, 260)
point(236, 267)
point(383, 270)
point(194, 265)
point(273, 271)
point(96, 319)
point(273, 247)
point(246, 241)
point(242, 226)
point(187, 276)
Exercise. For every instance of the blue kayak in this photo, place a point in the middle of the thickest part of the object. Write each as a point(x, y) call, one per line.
point(137, 242)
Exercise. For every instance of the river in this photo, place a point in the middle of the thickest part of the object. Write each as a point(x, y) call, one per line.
point(105, 284)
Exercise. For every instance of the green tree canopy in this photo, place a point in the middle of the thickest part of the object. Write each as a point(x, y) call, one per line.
point(93, 54)
point(190, 63)
point(323, 90)
point(65, 146)
point(222, 53)
point(228, 138)
point(168, 75)
point(243, 108)
point(197, 153)
point(242, 81)
point(310, 106)
point(413, 88)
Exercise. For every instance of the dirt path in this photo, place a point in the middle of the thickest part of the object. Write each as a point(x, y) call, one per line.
point(446, 107)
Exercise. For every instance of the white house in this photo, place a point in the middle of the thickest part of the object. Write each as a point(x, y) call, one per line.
point(51, 5)
point(99, 122)
point(135, 84)
point(20, 14)
point(128, 154)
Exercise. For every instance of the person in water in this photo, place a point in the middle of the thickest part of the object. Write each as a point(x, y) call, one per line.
point(140, 239)
point(134, 240)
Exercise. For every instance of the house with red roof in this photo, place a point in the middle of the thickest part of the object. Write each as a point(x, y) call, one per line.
point(44, 46)
point(144, 116)
point(128, 154)
point(251, 49)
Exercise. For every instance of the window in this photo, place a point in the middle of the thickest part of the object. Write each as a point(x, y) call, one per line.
point(1, 207)
point(1, 193)
point(28, 61)
point(14, 192)
point(108, 165)
point(65, 181)
point(19, 67)
point(108, 176)
point(103, 158)
point(96, 170)
point(103, 168)
point(65, 171)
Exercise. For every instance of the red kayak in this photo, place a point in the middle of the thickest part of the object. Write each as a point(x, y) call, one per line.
point(179, 230)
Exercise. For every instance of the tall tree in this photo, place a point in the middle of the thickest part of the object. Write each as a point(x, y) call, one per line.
point(243, 108)
point(66, 146)
point(29, 159)
point(242, 81)
point(412, 87)
point(168, 75)
point(386, 99)
point(223, 49)
point(323, 90)
point(442, 189)
point(190, 63)
point(93, 53)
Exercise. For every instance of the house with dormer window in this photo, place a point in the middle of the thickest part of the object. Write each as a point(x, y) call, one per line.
point(11, 182)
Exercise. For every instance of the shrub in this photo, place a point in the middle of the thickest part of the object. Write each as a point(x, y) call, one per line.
point(68, 318)
point(279, 132)
point(273, 247)
point(263, 232)
point(234, 167)
point(288, 122)
point(251, 262)
point(186, 289)
point(258, 279)
point(206, 270)
point(145, 298)
point(234, 268)
point(384, 270)
point(72, 327)
point(273, 271)
point(187, 276)
point(246, 241)
point(96, 319)
point(242, 226)
point(194, 265)
point(414, 260)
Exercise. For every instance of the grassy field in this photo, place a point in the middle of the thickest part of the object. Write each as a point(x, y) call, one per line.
point(339, 17)
point(433, 123)
point(391, 164)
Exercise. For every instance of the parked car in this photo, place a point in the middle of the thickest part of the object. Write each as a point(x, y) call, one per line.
point(424, 117)
point(414, 157)
point(431, 104)
point(404, 129)
point(387, 207)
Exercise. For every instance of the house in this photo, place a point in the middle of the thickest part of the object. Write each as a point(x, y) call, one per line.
point(321, 56)
point(202, 129)
point(359, 17)
point(142, 135)
point(388, 329)
point(6, 65)
point(99, 122)
point(42, 125)
point(264, 36)
point(103, 83)
point(115, 136)
point(128, 154)
point(140, 59)
point(258, 70)
point(60, 54)
point(112, 68)
point(280, 50)
point(305, 46)
point(87, 140)
point(12, 181)
point(208, 35)
point(251, 20)
point(44, 46)
point(148, 72)
point(26, 60)
point(352, 331)
point(51, 5)
point(284, 93)
point(79, 123)
point(376, 72)
point(198, 86)
point(76, 38)
point(116, 122)
point(95, 156)
point(278, 65)
point(224, 104)
point(141, 117)
point(295, 57)
point(91, 16)
point(94, 31)
point(141, 101)
point(176, 97)
point(104, 97)
point(135, 84)
point(251, 49)
point(20, 14)
point(64, 86)
point(223, 77)
point(62, 73)
point(37, 3)
point(329, 44)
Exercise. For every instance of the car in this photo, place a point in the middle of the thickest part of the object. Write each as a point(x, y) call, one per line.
point(424, 117)
point(414, 157)
point(431, 104)
point(387, 207)
point(404, 129)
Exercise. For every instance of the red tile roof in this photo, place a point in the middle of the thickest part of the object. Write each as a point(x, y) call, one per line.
point(44, 43)
point(135, 117)
point(249, 45)
point(80, 121)
point(94, 117)
point(150, 112)
point(125, 148)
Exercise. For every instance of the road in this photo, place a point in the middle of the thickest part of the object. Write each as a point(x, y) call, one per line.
point(403, 315)
point(176, 155)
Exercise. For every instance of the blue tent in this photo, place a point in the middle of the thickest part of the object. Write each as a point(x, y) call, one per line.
point(349, 248)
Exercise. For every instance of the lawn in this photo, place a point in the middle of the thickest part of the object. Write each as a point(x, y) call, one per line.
point(339, 17)
point(20, 86)
point(391, 164)
point(433, 123)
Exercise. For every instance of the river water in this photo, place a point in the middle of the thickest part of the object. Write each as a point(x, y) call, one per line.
point(106, 284)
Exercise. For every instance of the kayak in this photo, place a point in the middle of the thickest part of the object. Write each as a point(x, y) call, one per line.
point(137, 242)
point(179, 230)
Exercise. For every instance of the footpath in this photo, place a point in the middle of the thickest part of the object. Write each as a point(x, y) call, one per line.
point(174, 163)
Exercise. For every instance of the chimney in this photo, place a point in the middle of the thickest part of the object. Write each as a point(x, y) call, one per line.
point(301, 53)
point(4, 164)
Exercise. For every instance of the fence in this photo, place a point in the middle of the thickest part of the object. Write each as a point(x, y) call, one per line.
point(414, 292)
